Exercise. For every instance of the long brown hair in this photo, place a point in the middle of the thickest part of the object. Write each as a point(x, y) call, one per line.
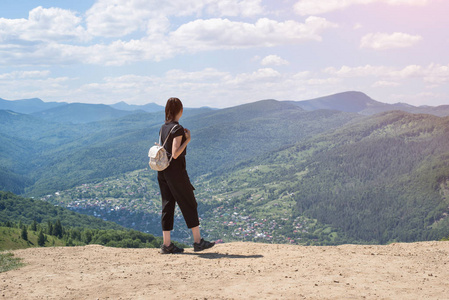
point(172, 109)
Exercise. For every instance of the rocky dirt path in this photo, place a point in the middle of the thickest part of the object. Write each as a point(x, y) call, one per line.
point(233, 271)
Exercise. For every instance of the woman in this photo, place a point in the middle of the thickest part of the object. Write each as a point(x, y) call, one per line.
point(174, 182)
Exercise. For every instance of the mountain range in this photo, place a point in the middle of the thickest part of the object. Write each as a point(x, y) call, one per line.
point(28, 106)
point(360, 103)
point(356, 102)
point(75, 112)
point(373, 172)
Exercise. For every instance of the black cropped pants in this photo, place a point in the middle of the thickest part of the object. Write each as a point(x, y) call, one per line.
point(175, 187)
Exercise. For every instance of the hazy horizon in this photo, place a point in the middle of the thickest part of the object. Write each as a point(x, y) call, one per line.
point(222, 54)
point(162, 105)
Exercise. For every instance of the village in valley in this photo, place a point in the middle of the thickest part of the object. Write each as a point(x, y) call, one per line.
point(226, 214)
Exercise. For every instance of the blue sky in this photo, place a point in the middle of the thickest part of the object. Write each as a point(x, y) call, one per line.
point(224, 53)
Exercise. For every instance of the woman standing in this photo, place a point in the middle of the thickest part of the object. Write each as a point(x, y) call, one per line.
point(174, 182)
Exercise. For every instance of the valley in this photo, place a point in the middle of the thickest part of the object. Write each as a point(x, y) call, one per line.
point(317, 172)
point(227, 212)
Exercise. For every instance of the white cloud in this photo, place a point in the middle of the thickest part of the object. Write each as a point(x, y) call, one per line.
point(375, 71)
point(213, 87)
point(434, 74)
point(200, 35)
point(159, 44)
point(114, 54)
point(216, 88)
point(205, 75)
point(411, 71)
point(246, 8)
point(264, 74)
point(360, 71)
point(208, 86)
point(302, 75)
point(158, 27)
point(357, 26)
point(274, 60)
point(314, 7)
point(225, 34)
point(406, 2)
point(30, 84)
point(323, 81)
point(384, 83)
point(383, 41)
point(117, 18)
point(25, 74)
point(43, 24)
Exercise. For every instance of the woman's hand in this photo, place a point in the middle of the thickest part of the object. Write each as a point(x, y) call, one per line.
point(187, 133)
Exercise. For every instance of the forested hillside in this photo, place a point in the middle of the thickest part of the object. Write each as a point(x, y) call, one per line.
point(31, 223)
point(17, 209)
point(265, 171)
point(381, 179)
point(41, 157)
point(228, 136)
point(374, 180)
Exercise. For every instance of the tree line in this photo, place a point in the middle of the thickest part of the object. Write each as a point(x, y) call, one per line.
point(84, 236)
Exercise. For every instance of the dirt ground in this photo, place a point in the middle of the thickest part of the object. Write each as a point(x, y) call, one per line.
point(233, 271)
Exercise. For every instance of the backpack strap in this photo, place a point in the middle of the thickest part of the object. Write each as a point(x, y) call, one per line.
point(166, 139)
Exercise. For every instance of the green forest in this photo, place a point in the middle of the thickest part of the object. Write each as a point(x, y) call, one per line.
point(18, 236)
point(34, 223)
point(381, 180)
point(267, 171)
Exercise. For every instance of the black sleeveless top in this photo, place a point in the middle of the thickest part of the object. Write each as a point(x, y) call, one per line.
point(178, 131)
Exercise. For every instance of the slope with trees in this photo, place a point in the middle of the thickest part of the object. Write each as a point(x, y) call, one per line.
point(32, 223)
point(378, 180)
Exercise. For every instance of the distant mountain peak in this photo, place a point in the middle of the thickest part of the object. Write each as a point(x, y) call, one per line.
point(28, 106)
point(351, 101)
point(149, 107)
point(359, 102)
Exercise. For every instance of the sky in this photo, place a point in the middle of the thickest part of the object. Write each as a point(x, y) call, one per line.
point(224, 53)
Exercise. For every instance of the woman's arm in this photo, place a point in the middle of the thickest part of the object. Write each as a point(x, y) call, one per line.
point(177, 147)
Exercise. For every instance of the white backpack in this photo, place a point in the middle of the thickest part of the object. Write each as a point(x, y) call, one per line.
point(158, 155)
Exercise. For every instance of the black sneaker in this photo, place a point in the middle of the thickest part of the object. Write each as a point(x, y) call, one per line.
point(172, 249)
point(203, 245)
